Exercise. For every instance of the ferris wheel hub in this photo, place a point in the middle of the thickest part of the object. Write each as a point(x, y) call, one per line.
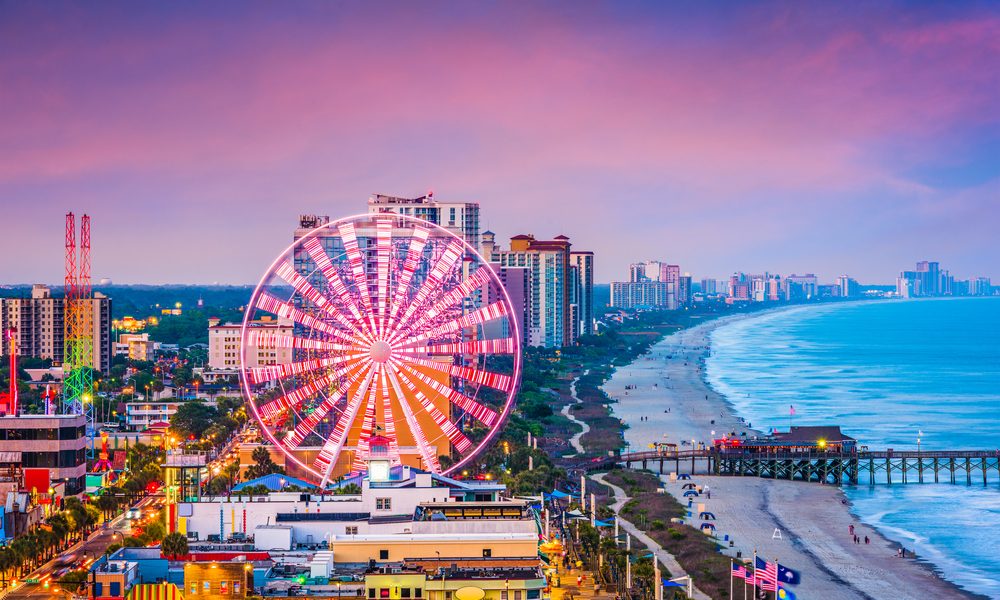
point(380, 352)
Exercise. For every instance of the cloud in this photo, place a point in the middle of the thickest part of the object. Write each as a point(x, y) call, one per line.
point(783, 116)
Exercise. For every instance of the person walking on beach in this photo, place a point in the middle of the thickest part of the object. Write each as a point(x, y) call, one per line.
point(850, 529)
point(866, 540)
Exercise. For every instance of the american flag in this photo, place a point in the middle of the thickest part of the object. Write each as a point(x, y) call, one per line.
point(739, 571)
point(766, 574)
point(791, 409)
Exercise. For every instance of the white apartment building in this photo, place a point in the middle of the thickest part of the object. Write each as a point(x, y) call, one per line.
point(140, 415)
point(224, 345)
point(460, 218)
point(549, 320)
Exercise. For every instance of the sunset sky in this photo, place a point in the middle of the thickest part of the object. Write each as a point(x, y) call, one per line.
point(822, 137)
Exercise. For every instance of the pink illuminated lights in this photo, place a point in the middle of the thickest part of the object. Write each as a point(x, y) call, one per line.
point(392, 332)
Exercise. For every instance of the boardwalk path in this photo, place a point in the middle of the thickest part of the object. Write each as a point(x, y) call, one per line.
point(575, 440)
point(666, 559)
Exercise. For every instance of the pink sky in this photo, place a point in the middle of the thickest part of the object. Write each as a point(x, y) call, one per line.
point(788, 137)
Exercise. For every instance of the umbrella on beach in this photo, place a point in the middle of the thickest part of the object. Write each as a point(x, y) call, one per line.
point(707, 516)
point(689, 486)
point(691, 493)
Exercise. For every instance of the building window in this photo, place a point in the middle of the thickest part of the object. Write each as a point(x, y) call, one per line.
point(194, 589)
point(206, 586)
point(404, 592)
point(371, 592)
point(383, 555)
point(351, 530)
point(503, 594)
point(487, 553)
point(534, 594)
point(418, 592)
point(383, 592)
point(517, 594)
point(383, 503)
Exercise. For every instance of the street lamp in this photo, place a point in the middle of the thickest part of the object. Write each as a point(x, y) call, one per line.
point(919, 434)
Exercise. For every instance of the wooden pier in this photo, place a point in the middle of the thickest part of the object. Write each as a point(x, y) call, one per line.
point(872, 467)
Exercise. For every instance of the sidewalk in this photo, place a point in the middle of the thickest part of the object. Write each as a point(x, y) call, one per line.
point(666, 559)
point(569, 589)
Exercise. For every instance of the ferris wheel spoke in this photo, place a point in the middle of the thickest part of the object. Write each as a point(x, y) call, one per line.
point(258, 375)
point(477, 317)
point(497, 346)
point(335, 443)
point(448, 259)
point(303, 287)
point(485, 415)
point(388, 418)
point(357, 263)
point(426, 453)
point(363, 449)
point(292, 399)
point(471, 283)
point(267, 339)
point(383, 247)
point(457, 438)
point(497, 381)
point(414, 252)
point(269, 303)
point(309, 423)
point(325, 265)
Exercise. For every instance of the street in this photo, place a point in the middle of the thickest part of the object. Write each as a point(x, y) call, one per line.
point(80, 555)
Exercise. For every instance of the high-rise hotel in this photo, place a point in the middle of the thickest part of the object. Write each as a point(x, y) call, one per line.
point(554, 285)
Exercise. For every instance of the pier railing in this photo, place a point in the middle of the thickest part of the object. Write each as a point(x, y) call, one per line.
point(871, 466)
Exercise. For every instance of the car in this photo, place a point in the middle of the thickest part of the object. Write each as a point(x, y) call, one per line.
point(66, 559)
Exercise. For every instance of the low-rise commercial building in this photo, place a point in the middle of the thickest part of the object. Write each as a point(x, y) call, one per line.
point(53, 442)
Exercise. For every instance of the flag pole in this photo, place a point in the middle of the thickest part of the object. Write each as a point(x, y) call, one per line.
point(754, 572)
point(731, 565)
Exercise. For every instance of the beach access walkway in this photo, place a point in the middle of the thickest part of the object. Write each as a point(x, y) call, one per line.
point(575, 440)
point(665, 558)
point(568, 588)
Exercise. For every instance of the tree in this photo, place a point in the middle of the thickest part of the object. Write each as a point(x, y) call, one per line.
point(174, 545)
point(192, 419)
point(219, 485)
point(155, 531)
point(264, 465)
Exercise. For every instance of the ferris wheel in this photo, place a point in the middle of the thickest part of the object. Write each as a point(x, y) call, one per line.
point(379, 336)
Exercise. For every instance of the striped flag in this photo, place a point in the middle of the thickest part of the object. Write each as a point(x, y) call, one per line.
point(766, 574)
point(791, 409)
point(739, 571)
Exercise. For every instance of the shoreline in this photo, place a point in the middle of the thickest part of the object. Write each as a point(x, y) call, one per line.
point(813, 519)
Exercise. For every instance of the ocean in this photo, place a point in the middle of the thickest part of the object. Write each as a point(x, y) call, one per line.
point(889, 373)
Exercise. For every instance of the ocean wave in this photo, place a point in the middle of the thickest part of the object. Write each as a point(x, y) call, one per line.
point(887, 373)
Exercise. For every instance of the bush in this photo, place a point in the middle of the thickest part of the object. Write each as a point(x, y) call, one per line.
point(675, 534)
point(658, 525)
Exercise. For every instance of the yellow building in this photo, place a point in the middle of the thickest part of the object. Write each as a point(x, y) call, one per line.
point(494, 580)
point(216, 580)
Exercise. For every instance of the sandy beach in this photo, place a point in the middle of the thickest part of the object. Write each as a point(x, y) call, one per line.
point(668, 388)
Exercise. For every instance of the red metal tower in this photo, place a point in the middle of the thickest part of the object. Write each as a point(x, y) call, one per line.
point(86, 313)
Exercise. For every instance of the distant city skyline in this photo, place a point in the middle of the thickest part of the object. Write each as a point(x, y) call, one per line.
point(792, 138)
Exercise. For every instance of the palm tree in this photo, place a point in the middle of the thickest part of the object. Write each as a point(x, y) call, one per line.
point(174, 545)
point(60, 525)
